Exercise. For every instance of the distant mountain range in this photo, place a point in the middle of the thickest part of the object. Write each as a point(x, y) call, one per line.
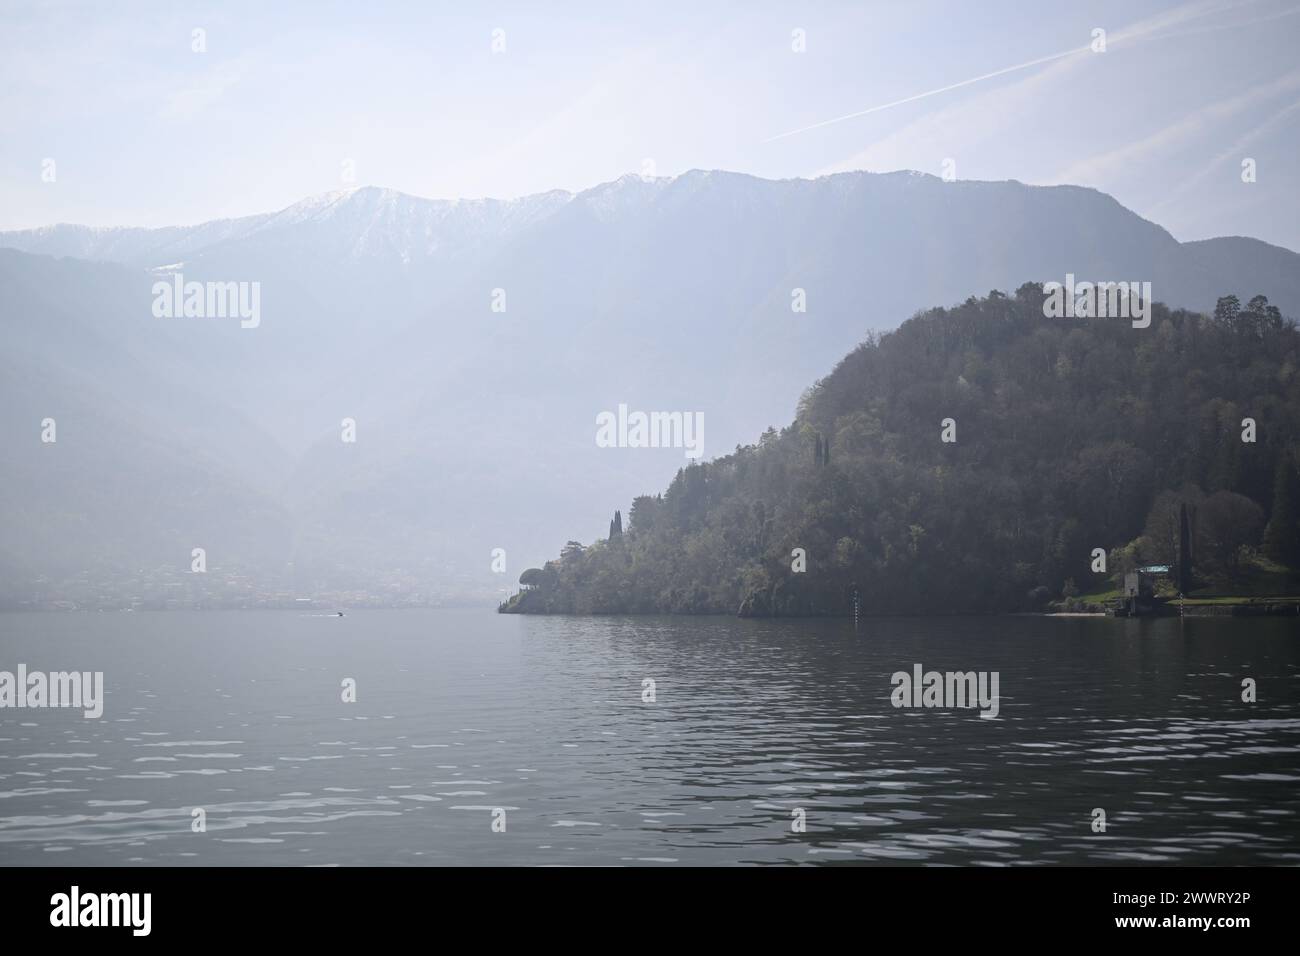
point(476, 426)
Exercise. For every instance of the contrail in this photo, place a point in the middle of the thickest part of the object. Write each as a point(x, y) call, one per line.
point(1193, 11)
point(921, 96)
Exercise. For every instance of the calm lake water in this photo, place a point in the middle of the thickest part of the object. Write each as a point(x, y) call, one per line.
point(462, 712)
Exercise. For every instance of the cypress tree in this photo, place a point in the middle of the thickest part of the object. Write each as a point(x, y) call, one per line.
point(1282, 536)
point(1184, 550)
point(821, 451)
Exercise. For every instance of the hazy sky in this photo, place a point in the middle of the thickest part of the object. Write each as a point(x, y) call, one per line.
point(145, 131)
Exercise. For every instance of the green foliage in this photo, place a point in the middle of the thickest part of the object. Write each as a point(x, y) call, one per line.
point(1069, 430)
point(1205, 538)
point(1282, 537)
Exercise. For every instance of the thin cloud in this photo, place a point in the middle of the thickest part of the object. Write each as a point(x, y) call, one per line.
point(1235, 152)
point(1138, 30)
point(1105, 165)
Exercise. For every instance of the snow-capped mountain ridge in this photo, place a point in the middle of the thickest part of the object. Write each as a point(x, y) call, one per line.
point(385, 221)
point(408, 224)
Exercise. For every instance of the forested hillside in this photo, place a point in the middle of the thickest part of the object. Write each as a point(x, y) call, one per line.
point(1066, 435)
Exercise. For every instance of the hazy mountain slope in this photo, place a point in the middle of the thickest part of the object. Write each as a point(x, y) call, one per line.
point(476, 427)
point(145, 465)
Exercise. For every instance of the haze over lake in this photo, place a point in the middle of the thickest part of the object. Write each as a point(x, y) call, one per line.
point(463, 712)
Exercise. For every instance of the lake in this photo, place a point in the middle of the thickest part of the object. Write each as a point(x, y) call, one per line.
point(754, 727)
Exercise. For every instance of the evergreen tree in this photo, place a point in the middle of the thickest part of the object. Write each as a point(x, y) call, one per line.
point(1227, 309)
point(821, 451)
point(1184, 550)
point(1282, 536)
